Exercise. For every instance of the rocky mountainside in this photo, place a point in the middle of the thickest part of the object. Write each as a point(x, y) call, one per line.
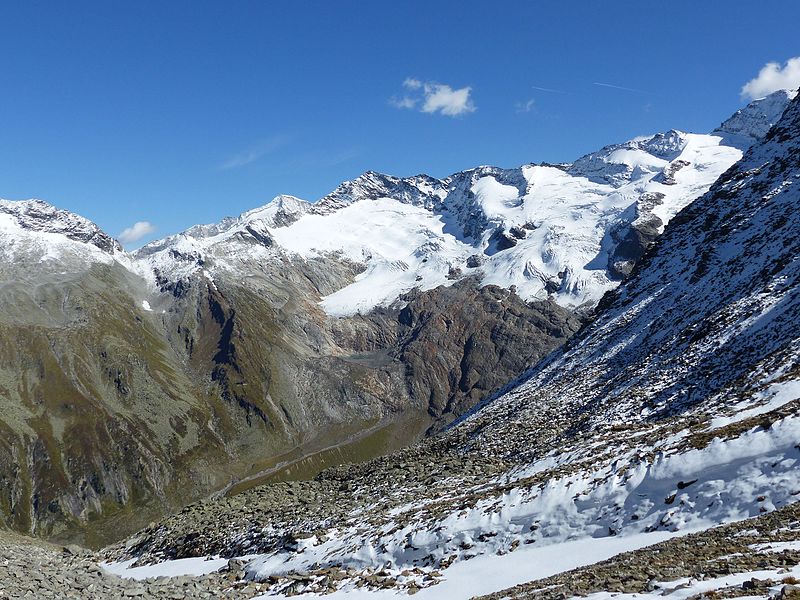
point(674, 410)
point(296, 333)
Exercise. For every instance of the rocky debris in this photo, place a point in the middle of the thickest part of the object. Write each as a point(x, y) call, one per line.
point(273, 517)
point(32, 569)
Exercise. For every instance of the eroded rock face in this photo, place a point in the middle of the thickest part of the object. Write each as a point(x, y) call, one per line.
point(463, 342)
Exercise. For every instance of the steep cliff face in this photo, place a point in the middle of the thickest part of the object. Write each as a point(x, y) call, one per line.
point(464, 342)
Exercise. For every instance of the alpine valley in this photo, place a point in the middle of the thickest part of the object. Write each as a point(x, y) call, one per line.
point(446, 387)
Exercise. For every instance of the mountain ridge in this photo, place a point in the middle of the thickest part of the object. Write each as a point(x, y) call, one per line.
point(675, 409)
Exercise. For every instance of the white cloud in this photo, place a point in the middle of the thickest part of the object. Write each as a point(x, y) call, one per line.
point(772, 77)
point(136, 232)
point(446, 100)
point(431, 97)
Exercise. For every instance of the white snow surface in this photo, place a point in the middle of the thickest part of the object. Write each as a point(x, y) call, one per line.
point(490, 573)
point(550, 231)
point(564, 221)
point(170, 568)
point(776, 396)
point(680, 589)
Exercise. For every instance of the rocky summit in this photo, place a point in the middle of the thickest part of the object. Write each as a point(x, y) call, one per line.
point(580, 379)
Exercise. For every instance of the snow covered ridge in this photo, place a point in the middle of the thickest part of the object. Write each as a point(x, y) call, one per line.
point(567, 232)
point(754, 120)
point(38, 215)
point(35, 232)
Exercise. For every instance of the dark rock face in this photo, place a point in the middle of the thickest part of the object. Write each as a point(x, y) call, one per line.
point(501, 240)
point(463, 342)
point(668, 176)
point(633, 241)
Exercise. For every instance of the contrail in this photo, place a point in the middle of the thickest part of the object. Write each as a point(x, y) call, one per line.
point(544, 89)
point(620, 87)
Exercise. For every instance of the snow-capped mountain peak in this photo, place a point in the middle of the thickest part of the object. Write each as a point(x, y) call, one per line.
point(419, 190)
point(279, 212)
point(754, 120)
point(619, 164)
point(40, 216)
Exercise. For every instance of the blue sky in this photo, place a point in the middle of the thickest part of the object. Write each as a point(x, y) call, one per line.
point(184, 112)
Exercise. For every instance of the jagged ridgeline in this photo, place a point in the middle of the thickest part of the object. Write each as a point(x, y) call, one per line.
point(299, 334)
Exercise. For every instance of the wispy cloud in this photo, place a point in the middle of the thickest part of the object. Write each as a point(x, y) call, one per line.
point(772, 77)
point(621, 87)
point(136, 232)
point(431, 97)
point(525, 107)
point(255, 152)
point(404, 102)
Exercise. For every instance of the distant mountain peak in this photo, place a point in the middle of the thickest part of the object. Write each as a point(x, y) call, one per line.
point(754, 120)
point(40, 216)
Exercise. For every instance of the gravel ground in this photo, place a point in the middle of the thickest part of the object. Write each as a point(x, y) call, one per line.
point(33, 569)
